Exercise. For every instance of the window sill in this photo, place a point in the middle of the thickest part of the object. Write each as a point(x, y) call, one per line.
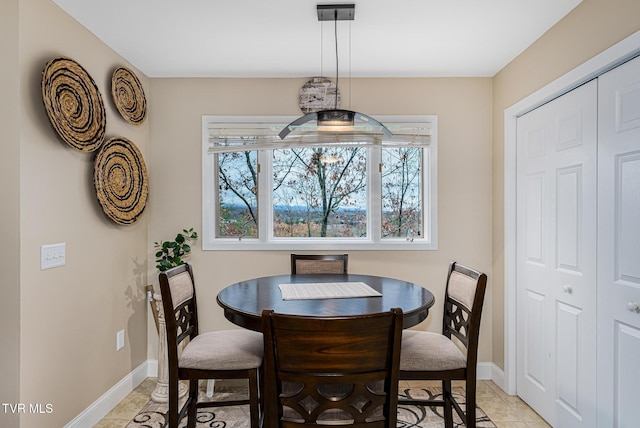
point(320, 244)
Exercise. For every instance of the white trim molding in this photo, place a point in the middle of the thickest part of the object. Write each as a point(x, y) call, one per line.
point(484, 371)
point(110, 399)
point(256, 134)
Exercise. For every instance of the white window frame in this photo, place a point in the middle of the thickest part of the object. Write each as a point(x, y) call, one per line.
point(266, 241)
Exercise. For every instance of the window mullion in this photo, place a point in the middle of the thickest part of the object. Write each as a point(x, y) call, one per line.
point(429, 197)
point(374, 194)
point(265, 196)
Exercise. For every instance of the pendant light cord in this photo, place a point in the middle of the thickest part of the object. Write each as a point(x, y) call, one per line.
point(335, 34)
point(349, 76)
point(321, 49)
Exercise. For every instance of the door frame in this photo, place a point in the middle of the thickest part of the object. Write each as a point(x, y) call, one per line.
point(617, 54)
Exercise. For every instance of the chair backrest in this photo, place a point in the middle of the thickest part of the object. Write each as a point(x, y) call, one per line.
point(180, 309)
point(332, 369)
point(319, 264)
point(463, 300)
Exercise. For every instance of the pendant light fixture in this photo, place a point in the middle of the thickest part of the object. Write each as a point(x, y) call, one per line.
point(337, 120)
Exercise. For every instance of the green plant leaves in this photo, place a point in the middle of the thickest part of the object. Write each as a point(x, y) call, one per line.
point(171, 252)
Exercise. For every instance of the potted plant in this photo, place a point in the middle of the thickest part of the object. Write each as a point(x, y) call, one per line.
point(170, 253)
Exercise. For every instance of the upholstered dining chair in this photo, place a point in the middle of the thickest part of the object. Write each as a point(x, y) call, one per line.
point(331, 370)
point(434, 356)
point(319, 264)
point(192, 355)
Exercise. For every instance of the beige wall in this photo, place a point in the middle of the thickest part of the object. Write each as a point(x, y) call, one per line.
point(9, 211)
point(69, 315)
point(589, 29)
point(463, 107)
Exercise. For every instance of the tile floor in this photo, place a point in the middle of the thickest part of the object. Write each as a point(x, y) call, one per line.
point(504, 410)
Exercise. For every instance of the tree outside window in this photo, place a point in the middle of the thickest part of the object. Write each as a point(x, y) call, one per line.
point(238, 194)
point(319, 192)
point(402, 192)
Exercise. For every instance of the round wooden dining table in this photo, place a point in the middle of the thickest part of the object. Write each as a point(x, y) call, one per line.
point(244, 301)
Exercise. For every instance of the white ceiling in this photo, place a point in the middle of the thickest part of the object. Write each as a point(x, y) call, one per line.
point(283, 38)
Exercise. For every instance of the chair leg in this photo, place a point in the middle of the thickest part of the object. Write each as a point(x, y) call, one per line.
point(448, 408)
point(470, 406)
point(261, 392)
point(172, 412)
point(192, 411)
point(254, 399)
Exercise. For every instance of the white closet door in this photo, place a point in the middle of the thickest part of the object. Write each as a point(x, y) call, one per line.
point(556, 258)
point(619, 247)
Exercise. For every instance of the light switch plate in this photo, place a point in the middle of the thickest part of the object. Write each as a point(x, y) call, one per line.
point(120, 340)
point(53, 255)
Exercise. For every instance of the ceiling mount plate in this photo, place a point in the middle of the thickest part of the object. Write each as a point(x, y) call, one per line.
point(336, 12)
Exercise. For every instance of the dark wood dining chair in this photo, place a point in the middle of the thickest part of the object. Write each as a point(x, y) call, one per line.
point(331, 370)
point(230, 354)
point(433, 356)
point(319, 264)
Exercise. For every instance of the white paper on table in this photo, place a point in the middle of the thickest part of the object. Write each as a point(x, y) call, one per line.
point(326, 290)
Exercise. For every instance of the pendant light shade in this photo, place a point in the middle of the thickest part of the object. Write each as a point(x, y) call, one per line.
point(337, 120)
point(336, 117)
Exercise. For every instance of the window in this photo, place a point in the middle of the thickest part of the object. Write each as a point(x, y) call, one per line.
point(312, 192)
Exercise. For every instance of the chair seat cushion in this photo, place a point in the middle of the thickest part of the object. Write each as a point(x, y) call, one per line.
point(223, 350)
point(427, 351)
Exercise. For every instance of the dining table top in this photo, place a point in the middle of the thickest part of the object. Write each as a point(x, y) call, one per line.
point(244, 301)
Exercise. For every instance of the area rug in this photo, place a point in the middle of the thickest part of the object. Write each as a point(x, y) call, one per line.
point(153, 415)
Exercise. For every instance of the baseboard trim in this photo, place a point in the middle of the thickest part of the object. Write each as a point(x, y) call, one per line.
point(152, 368)
point(497, 376)
point(484, 371)
point(489, 371)
point(110, 399)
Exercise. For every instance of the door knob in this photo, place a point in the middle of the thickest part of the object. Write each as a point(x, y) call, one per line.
point(633, 307)
point(567, 289)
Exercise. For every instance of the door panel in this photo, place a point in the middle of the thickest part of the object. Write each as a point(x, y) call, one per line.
point(627, 196)
point(619, 246)
point(568, 382)
point(534, 322)
point(625, 406)
point(569, 187)
point(534, 357)
point(556, 274)
point(534, 229)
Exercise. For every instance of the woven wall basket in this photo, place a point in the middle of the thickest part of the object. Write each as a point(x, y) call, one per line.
point(121, 181)
point(128, 96)
point(74, 104)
